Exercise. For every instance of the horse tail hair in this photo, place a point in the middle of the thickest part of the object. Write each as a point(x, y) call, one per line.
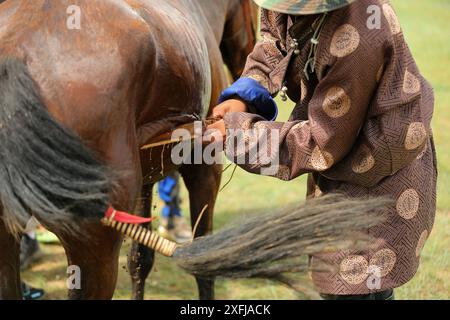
point(45, 169)
point(275, 245)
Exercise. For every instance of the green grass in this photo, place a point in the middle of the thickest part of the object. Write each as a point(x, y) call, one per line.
point(426, 25)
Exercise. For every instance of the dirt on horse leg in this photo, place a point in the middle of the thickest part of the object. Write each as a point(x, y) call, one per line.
point(141, 258)
point(95, 260)
point(202, 182)
point(10, 288)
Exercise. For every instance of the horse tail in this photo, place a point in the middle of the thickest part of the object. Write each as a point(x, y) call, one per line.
point(45, 170)
point(275, 244)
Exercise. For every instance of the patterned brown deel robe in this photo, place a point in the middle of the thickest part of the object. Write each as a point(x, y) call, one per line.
point(360, 126)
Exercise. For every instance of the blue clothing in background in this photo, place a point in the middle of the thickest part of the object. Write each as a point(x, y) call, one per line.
point(169, 192)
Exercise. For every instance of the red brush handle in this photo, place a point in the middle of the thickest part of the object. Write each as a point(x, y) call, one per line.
point(124, 217)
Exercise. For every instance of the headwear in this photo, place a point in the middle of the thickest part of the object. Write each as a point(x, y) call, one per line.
point(302, 7)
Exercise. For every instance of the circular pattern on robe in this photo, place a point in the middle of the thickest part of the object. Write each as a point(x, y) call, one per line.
point(384, 259)
point(415, 136)
point(303, 90)
point(421, 243)
point(391, 18)
point(411, 84)
point(408, 204)
point(363, 160)
point(345, 41)
point(336, 103)
point(353, 269)
point(321, 160)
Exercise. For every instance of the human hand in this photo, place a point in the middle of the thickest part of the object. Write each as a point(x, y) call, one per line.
point(232, 105)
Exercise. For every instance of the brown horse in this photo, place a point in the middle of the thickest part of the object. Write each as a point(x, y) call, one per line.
point(76, 105)
point(233, 25)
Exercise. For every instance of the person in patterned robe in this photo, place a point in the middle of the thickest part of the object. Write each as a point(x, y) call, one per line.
point(360, 127)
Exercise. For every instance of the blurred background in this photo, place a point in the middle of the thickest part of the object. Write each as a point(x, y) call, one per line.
point(425, 25)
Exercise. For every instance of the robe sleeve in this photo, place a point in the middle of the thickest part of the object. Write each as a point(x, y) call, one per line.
point(256, 86)
point(269, 51)
point(336, 115)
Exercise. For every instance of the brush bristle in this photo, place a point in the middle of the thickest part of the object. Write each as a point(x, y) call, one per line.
point(269, 245)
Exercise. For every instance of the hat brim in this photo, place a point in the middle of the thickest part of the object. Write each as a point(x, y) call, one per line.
point(292, 6)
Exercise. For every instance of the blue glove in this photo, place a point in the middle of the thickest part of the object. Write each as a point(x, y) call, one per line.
point(253, 93)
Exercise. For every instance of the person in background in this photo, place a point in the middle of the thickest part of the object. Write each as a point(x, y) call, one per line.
point(361, 126)
point(173, 225)
point(31, 293)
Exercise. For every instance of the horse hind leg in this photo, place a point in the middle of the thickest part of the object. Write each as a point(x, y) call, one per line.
point(202, 182)
point(93, 261)
point(141, 258)
point(10, 288)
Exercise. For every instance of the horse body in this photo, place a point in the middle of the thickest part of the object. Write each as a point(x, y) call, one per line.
point(133, 66)
point(134, 69)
